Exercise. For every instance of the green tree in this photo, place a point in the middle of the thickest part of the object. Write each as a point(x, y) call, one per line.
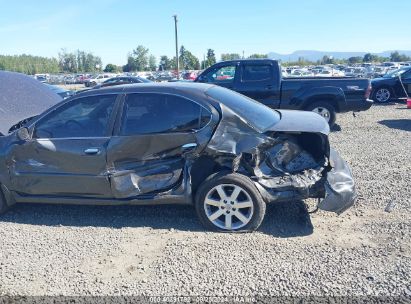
point(140, 57)
point(370, 58)
point(152, 63)
point(210, 59)
point(130, 66)
point(256, 56)
point(230, 56)
point(111, 68)
point(28, 64)
point(327, 60)
point(165, 63)
point(355, 59)
point(397, 57)
point(79, 61)
point(187, 60)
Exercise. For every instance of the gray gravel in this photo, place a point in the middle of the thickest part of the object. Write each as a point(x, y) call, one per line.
point(163, 250)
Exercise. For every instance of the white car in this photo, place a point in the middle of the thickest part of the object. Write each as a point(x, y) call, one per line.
point(98, 79)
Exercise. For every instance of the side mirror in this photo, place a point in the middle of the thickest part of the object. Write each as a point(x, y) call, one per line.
point(202, 78)
point(23, 134)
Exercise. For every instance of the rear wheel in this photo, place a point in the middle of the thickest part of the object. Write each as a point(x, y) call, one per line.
point(325, 110)
point(382, 95)
point(229, 203)
point(3, 205)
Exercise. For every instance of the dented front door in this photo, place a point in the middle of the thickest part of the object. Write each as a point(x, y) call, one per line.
point(61, 167)
point(155, 135)
point(66, 155)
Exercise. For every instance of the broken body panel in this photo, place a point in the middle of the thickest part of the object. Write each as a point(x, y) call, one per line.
point(288, 160)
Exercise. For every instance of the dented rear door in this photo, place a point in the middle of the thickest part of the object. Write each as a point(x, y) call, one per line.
point(154, 135)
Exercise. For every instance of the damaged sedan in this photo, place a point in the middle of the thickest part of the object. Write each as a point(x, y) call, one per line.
point(181, 143)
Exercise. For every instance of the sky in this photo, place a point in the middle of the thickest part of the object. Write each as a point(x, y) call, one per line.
point(113, 28)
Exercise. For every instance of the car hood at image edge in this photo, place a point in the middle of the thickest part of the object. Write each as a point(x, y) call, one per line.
point(22, 97)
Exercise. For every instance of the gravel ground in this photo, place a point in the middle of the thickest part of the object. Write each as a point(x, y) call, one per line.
point(163, 250)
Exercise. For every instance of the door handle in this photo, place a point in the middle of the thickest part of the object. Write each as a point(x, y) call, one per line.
point(92, 151)
point(188, 147)
point(269, 87)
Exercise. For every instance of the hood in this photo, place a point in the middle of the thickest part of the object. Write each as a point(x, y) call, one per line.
point(301, 121)
point(21, 97)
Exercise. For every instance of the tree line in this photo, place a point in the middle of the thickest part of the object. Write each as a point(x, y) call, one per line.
point(140, 59)
point(367, 58)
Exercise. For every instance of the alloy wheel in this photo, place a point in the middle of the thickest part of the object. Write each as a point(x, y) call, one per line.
point(324, 112)
point(383, 95)
point(228, 206)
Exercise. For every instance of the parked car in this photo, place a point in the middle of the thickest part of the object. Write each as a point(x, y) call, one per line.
point(183, 143)
point(121, 80)
point(190, 76)
point(91, 82)
point(60, 91)
point(42, 77)
point(389, 87)
point(262, 81)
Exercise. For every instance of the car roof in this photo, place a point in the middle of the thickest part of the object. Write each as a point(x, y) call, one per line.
point(167, 87)
point(246, 60)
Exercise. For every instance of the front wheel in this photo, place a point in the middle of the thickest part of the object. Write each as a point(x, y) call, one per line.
point(229, 203)
point(325, 110)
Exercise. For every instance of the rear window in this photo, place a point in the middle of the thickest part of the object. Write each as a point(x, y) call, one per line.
point(256, 72)
point(254, 113)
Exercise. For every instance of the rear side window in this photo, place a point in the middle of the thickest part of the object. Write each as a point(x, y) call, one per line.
point(150, 113)
point(257, 72)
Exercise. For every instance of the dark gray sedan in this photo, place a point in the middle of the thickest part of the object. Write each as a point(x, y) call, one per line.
point(184, 143)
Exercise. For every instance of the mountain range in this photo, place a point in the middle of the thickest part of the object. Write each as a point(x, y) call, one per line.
point(316, 55)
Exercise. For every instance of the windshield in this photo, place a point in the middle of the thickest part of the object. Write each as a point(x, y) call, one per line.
point(254, 113)
point(396, 73)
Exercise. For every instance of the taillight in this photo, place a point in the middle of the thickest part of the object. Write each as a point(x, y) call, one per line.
point(368, 91)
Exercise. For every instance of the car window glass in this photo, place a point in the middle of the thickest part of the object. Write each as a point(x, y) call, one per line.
point(406, 75)
point(84, 117)
point(223, 74)
point(256, 72)
point(161, 113)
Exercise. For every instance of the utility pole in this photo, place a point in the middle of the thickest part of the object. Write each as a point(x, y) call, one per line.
point(177, 63)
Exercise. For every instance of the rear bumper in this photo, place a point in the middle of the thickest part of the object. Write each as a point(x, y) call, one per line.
point(339, 187)
point(362, 105)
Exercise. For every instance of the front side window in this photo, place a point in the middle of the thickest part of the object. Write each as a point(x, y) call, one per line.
point(257, 72)
point(83, 117)
point(150, 113)
point(223, 74)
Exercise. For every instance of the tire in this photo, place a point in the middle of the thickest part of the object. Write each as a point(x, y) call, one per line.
point(326, 110)
point(382, 95)
point(242, 203)
point(3, 205)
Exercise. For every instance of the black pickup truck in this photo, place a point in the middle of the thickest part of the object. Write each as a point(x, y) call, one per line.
point(261, 79)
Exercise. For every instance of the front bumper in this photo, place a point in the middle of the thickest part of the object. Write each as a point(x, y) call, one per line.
point(339, 187)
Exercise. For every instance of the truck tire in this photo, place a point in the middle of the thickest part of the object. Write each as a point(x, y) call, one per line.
point(229, 202)
point(324, 109)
